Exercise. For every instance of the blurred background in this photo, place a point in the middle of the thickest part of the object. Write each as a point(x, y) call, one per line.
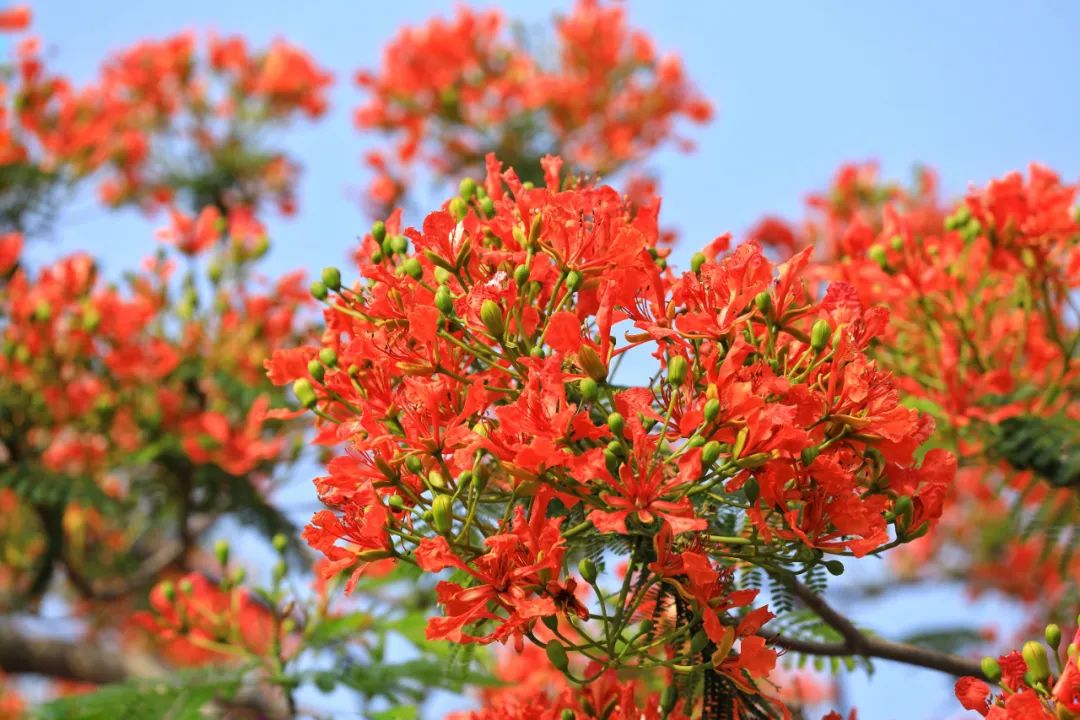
point(972, 89)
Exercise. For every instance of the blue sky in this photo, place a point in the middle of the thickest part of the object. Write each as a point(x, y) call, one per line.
point(974, 89)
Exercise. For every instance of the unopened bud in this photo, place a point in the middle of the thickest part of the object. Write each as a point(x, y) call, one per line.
point(328, 357)
point(573, 280)
point(318, 290)
point(763, 301)
point(331, 278)
point(492, 317)
point(696, 261)
point(221, 552)
point(521, 275)
point(467, 188)
point(442, 514)
point(568, 714)
point(820, 334)
point(592, 364)
point(399, 244)
point(588, 571)
point(668, 698)
point(1053, 635)
point(835, 567)
point(378, 231)
point(588, 389)
point(316, 370)
point(444, 301)
point(711, 409)
point(903, 509)
point(458, 209)
point(413, 268)
point(168, 590)
point(616, 424)
point(305, 393)
point(1037, 662)
point(710, 453)
point(752, 490)
point(878, 254)
point(991, 669)
point(280, 542)
point(487, 206)
point(413, 463)
point(676, 370)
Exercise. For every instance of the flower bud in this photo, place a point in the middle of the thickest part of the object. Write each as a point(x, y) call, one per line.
point(396, 502)
point(698, 642)
point(820, 334)
point(573, 280)
point(710, 453)
point(413, 463)
point(696, 261)
point(168, 590)
point(1053, 635)
point(467, 188)
point(444, 301)
point(399, 244)
point(331, 278)
point(458, 209)
point(878, 254)
point(676, 370)
point(991, 669)
point(568, 714)
point(616, 424)
point(487, 206)
point(305, 394)
point(711, 410)
point(763, 301)
point(318, 290)
point(436, 480)
point(896, 243)
point(328, 357)
point(1037, 662)
point(535, 228)
point(809, 455)
point(521, 275)
point(668, 697)
point(592, 364)
point(492, 317)
point(752, 490)
point(186, 587)
point(280, 542)
point(903, 510)
point(557, 655)
point(221, 552)
point(316, 370)
point(588, 389)
point(413, 268)
point(442, 514)
point(378, 231)
point(588, 571)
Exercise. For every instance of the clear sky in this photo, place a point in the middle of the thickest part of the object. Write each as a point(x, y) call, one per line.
point(972, 88)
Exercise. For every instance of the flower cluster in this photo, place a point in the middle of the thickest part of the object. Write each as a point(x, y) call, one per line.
point(450, 91)
point(161, 124)
point(1035, 684)
point(471, 376)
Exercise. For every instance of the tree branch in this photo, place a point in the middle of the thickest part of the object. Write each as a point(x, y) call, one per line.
point(857, 643)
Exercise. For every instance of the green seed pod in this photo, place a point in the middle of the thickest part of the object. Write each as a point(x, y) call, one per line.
point(492, 317)
point(820, 334)
point(696, 261)
point(616, 424)
point(557, 655)
point(328, 357)
point(316, 369)
point(991, 669)
point(763, 301)
point(1053, 635)
point(331, 278)
point(458, 209)
point(305, 394)
point(521, 275)
point(413, 268)
point(378, 231)
point(467, 188)
point(710, 453)
point(573, 280)
point(444, 301)
point(676, 370)
point(318, 290)
point(711, 410)
point(1037, 661)
point(588, 571)
point(588, 389)
point(442, 514)
point(835, 567)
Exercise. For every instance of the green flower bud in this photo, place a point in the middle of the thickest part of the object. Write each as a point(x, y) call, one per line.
point(752, 490)
point(221, 552)
point(436, 480)
point(521, 275)
point(991, 669)
point(809, 454)
point(557, 655)
point(820, 334)
point(592, 364)
point(318, 290)
point(492, 317)
point(378, 231)
point(487, 206)
point(413, 463)
point(458, 209)
point(696, 441)
point(668, 697)
point(763, 301)
point(588, 389)
point(588, 571)
point(331, 278)
point(399, 244)
point(444, 301)
point(328, 357)
point(186, 587)
point(698, 642)
point(168, 590)
point(280, 542)
point(676, 370)
point(396, 502)
point(710, 453)
point(903, 510)
point(325, 682)
point(316, 369)
point(696, 261)
point(442, 514)
point(1053, 635)
point(442, 275)
point(573, 280)
point(835, 567)
point(305, 394)
point(616, 424)
point(467, 188)
point(1037, 661)
point(413, 268)
point(878, 254)
point(711, 410)
point(568, 714)
point(896, 243)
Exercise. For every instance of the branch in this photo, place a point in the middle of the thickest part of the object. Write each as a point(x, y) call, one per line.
point(857, 643)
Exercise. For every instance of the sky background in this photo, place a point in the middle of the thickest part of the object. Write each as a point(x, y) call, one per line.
point(973, 89)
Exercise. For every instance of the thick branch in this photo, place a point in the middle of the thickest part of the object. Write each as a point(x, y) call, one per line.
point(857, 643)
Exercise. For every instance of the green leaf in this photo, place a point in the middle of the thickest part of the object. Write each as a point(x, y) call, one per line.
point(405, 712)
